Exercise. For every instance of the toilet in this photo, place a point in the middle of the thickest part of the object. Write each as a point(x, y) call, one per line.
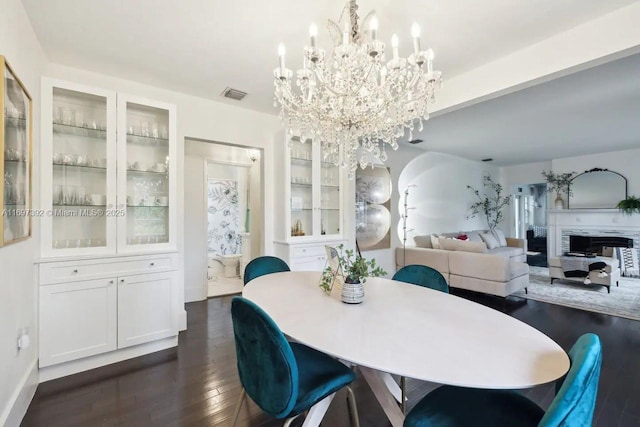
point(230, 263)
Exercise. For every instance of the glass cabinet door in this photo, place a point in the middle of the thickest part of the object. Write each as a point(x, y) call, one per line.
point(301, 188)
point(146, 175)
point(15, 166)
point(330, 197)
point(81, 196)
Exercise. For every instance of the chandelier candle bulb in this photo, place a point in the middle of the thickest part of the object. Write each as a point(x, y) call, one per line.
point(281, 53)
point(373, 27)
point(394, 44)
point(313, 33)
point(415, 32)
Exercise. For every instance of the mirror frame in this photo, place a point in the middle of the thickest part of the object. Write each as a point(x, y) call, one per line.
point(626, 185)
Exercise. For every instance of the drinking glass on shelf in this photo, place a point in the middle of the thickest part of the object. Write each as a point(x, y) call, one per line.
point(144, 128)
point(58, 195)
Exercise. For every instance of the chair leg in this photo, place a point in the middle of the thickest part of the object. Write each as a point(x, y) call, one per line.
point(353, 407)
point(403, 387)
point(288, 421)
point(243, 394)
point(526, 291)
point(317, 411)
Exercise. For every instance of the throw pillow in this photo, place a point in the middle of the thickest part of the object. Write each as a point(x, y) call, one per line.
point(462, 237)
point(422, 241)
point(435, 242)
point(499, 235)
point(490, 240)
point(473, 236)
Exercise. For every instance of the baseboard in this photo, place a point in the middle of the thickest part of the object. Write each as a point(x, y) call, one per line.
point(69, 368)
point(182, 320)
point(21, 398)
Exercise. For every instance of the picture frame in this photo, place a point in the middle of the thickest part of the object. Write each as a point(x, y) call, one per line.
point(16, 157)
point(332, 278)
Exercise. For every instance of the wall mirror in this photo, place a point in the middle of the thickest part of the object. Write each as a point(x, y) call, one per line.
point(597, 189)
point(373, 208)
point(15, 157)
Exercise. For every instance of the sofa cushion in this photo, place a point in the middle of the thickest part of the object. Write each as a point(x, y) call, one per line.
point(473, 236)
point(517, 269)
point(462, 245)
point(422, 241)
point(499, 235)
point(490, 240)
point(479, 266)
point(435, 242)
point(507, 252)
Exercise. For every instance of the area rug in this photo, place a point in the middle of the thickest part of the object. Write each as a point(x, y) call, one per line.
point(623, 301)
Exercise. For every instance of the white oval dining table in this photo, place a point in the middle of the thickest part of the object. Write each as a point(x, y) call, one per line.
point(412, 331)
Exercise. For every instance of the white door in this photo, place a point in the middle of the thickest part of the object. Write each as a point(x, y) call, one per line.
point(146, 308)
point(77, 320)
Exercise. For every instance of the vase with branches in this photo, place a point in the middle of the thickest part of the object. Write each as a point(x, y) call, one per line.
point(491, 202)
point(559, 183)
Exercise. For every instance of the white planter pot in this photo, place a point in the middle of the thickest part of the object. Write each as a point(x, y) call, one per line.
point(352, 293)
point(559, 202)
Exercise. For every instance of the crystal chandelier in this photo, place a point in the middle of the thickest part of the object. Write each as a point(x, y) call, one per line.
point(355, 98)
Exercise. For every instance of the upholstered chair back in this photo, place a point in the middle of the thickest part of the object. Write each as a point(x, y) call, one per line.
point(422, 275)
point(264, 265)
point(266, 364)
point(576, 398)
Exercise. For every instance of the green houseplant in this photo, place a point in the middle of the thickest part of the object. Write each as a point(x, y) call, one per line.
point(490, 203)
point(355, 270)
point(630, 205)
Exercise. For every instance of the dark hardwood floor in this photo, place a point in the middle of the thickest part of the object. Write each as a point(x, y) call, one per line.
point(197, 383)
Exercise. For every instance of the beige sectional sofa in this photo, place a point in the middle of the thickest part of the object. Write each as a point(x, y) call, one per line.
point(471, 266)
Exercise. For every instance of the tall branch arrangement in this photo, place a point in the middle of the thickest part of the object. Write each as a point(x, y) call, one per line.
point(491, 202)
point(559, 183)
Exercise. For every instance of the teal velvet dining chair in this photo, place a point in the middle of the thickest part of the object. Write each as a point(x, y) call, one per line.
point(573, 405)
point(264, 265)
point(422, 275)
point(284, 379)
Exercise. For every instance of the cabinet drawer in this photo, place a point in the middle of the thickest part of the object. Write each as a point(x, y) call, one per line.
point(305, 251)
point(59, 272)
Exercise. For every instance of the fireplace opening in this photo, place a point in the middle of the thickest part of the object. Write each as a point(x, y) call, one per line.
point(594, 244)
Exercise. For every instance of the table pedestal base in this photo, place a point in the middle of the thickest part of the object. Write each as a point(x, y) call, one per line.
point(385, 393)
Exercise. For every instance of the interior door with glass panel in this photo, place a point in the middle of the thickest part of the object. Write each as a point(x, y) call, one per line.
point(79, 198)
point(146, 175)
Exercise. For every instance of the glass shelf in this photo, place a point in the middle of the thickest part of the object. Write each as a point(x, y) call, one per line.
point(80, 167)
point(337, 187)
point(17, 162)
point(144, 172)
point(297, 160)
point(13, 122)
point(146, 140)
point(298, 184)
point(147, 206)
point(79, 131)
point(79, 206)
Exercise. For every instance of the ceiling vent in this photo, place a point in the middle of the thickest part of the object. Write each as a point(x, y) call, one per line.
point(236, 94)
point(489, 159)
point(416, 141)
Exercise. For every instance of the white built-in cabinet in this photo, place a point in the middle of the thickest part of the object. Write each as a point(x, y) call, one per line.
point(108, 226)
point(312, 203)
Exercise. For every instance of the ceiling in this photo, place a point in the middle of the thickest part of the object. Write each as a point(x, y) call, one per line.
point(202, 46)
point(589, 112)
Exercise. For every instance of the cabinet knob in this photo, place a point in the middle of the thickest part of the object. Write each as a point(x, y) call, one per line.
point(152, 264)
point(75, 271)
point(111, 282)
point(121, 280)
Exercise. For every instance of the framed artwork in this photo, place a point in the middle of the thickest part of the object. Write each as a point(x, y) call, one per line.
point(373, 208)
point(15, 157)
point(332, 278)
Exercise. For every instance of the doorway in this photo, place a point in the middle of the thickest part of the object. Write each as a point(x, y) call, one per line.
point(530, 215)
point(223, 214)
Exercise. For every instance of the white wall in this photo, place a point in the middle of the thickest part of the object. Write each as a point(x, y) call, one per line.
point(441, 198)
point(199, 118)
point(18, 297)
point(196, 152)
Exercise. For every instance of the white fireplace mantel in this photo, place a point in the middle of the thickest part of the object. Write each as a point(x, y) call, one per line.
point(609, 221)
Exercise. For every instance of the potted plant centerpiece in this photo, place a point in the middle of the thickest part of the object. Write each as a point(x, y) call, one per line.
point(355, 270)
point(559, 183)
